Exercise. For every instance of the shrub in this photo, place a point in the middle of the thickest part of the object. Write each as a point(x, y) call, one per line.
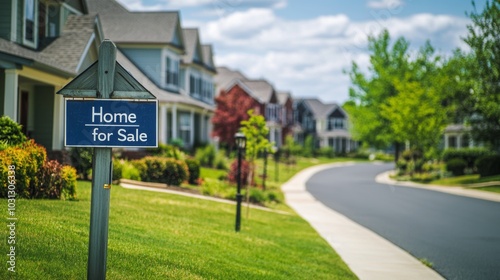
point(194, 170)
point(257, 196)
point(176, 172)
point(68, 178)
point(27, 159)
point(206, 156)
point(220, 161)
point(233, 172)
point(456, 166)
point(11, 132)
point(162, 170)
point(488, 165)
point(81, 159)
point(130, 172)
point(169, 151)
point(177, 142)
point(470, 155)
point(117, 169)
point(50, 184)
point(327, 152)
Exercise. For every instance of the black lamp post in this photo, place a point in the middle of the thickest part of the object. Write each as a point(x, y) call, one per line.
point(241, 142)
point(276, 163)
point(264, 176)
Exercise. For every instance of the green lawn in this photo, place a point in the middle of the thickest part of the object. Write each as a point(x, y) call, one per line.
point(469, 179)
point(161, 236)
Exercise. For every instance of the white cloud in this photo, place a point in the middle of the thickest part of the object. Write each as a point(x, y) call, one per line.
point(384, 4)
point(307, 57)
point(218, 6)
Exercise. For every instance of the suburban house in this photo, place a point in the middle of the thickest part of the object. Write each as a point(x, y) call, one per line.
point(267, 101)
point(171, 62)
point(457, 136)
point(326, 123)
point(43, 45)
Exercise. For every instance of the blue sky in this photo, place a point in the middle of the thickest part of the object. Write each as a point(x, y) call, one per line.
point(304, 46)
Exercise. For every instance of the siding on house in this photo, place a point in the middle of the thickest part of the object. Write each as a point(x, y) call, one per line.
point(20, 25)
point(5, 19)
point(44, 111)
point(148, 61)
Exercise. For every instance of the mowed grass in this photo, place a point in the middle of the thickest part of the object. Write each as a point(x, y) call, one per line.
point(161, 236)
point(470, 179)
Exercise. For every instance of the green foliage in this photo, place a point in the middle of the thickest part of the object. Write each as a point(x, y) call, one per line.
point(256, 132)
point(27, 159)
point(68, 178)
point(162, 170)
point(170, 151)
point(488, 165)
point(456, 166)
point(34, 176)
point(469, 155)
point(194, 170)
point(308, 150)
point(291, 146)
point(483, 41)
point(177, 142)
point(206, 156)
point(220, 161)
point(81, 159)
point(11, 132)
point(327, 152)
point(117, 169)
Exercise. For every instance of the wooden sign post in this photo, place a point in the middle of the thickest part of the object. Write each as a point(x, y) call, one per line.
point(100, 82)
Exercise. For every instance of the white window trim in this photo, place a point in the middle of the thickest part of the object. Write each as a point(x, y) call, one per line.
point(164, 54)
point(33, 44)
point(13, 21)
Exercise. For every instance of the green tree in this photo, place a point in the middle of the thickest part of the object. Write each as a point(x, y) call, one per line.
point(400, 99)
point(483, 39)
point(370, 91)
point(256, 132)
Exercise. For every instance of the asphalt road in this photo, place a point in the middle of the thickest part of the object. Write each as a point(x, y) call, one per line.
point(460, 236)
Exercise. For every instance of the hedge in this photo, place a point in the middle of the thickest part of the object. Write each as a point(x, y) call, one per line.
point(162, 170)
point(488, 165)
point(456, 166)
point(194, 170)
point(470, 155)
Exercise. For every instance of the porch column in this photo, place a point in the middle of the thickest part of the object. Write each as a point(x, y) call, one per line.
point(203, 127)
point(11, 94)
point(163, 124)
point(446, 141)
point(209, 128)
point(348, 141)
point(191, 130)
point(58, 122)
point(459, 141)
point(174, 121)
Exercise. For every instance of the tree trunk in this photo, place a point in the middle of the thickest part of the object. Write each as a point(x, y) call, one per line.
point(397, 147)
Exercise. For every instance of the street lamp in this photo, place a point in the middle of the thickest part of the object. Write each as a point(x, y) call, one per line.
point(276, 162)
point(241, 142)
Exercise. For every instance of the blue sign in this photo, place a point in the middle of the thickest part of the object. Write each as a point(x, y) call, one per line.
point(111, 123)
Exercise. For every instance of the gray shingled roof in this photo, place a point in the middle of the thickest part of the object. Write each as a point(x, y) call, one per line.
point(319, 109)
point(104, 7)
point(191, 41)
point(283, 96)
point(161, 95)
point(140, 27)
point(261, 89)
point(65, 52)
point(208, 56)
point(226, 77)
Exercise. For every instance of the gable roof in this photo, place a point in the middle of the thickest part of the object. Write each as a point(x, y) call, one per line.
point(208, 56)
point(319, 109)
point(161, 94)
point(283, 96)
point(226, 77)
point(63, 55)
point(142, 27)
point(104, 6)
point(192, 45)
point(261, 89)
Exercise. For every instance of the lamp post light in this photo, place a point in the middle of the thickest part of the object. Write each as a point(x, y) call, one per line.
point(241, 142)
point(264, 176)
point(276, 163)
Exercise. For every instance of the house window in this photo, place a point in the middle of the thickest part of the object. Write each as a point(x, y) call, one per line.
point(185, 127)
point(336, 123)
point(30, 24)
point(172, 74)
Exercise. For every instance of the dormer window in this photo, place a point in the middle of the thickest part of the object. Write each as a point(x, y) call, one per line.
point(30, 23)
point(172, 72)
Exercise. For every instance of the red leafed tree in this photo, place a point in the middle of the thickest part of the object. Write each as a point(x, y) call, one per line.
point(232, 107)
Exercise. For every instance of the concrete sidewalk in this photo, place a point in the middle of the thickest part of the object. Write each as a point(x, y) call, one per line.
point(367, 254)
